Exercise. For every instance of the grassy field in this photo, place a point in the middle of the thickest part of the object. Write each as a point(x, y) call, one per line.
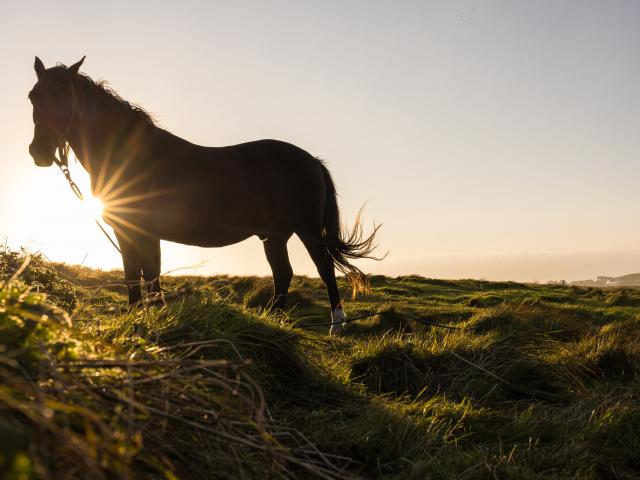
point(535, 381)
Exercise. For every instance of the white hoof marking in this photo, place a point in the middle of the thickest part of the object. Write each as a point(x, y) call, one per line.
point(337, 316)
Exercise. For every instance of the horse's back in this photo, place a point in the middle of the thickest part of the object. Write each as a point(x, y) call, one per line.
point(287, 179)
point(271, 184)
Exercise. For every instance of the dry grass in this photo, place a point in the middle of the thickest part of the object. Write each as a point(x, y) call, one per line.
point(536, 382)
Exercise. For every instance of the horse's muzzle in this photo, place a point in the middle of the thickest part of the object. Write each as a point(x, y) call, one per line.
point(43, 146)
point(41, 157)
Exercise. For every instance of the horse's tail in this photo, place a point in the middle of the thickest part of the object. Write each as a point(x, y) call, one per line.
point(344, 245)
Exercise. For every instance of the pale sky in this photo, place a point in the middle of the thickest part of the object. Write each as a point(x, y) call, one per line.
point(493, 139)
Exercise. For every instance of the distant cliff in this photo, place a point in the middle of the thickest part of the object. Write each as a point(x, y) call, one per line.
point(631, 280)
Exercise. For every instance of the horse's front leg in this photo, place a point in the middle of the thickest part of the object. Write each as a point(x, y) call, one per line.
point(132, 264)
point(150, 256)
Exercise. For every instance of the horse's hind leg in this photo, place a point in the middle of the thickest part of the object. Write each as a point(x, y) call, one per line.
point(275, 247)
point(317, 249)
point(150, 257)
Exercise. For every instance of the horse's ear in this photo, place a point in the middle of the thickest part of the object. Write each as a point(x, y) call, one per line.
point(39, 66)
point(76, 66)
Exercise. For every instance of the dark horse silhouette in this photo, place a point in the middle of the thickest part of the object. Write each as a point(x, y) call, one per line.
point(156, 185)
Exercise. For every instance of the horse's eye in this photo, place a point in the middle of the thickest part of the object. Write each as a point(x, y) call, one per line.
point(34, 95)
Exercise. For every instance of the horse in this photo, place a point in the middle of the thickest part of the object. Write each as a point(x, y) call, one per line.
point(155, 185)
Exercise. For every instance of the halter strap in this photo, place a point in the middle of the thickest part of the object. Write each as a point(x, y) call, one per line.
point(63, 144)
point(74, 110)
point(63, 164)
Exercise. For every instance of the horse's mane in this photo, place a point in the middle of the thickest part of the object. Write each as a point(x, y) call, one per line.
point(101, 87)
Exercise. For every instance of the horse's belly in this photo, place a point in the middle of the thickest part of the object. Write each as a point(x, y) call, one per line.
point(194, 214)
point(184, 227)
point(212, 237)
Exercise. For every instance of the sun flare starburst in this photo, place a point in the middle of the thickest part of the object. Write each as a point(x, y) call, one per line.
point(93, 207)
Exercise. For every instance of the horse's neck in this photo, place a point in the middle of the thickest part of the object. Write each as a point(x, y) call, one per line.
point(106, 139)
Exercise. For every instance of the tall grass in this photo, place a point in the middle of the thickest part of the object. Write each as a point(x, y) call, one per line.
point(535, 382)
point(145, 393)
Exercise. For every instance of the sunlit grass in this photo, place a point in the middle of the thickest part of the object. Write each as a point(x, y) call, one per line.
point(537, 381)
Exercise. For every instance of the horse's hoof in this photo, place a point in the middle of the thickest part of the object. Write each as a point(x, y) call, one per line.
point(337, 321)
point(155, 300)
point(335, 330)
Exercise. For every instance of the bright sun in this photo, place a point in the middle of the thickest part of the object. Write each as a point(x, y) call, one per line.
point(93, 207)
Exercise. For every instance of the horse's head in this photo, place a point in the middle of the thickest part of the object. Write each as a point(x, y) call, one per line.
point(54, 103)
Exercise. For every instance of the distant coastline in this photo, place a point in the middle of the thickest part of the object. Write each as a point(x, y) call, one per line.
point(631, 280)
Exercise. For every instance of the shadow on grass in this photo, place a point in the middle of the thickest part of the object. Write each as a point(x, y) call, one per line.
point(499, 372)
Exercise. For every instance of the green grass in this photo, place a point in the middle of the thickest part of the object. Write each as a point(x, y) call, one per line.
point(536, 381)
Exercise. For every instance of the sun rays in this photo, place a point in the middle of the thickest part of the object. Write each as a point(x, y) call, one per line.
point(92, 207)
point(113, 199)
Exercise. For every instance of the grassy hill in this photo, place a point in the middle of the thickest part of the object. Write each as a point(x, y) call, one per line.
point(533, 382)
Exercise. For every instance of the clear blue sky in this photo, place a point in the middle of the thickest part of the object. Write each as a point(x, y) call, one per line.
point(494, 139)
